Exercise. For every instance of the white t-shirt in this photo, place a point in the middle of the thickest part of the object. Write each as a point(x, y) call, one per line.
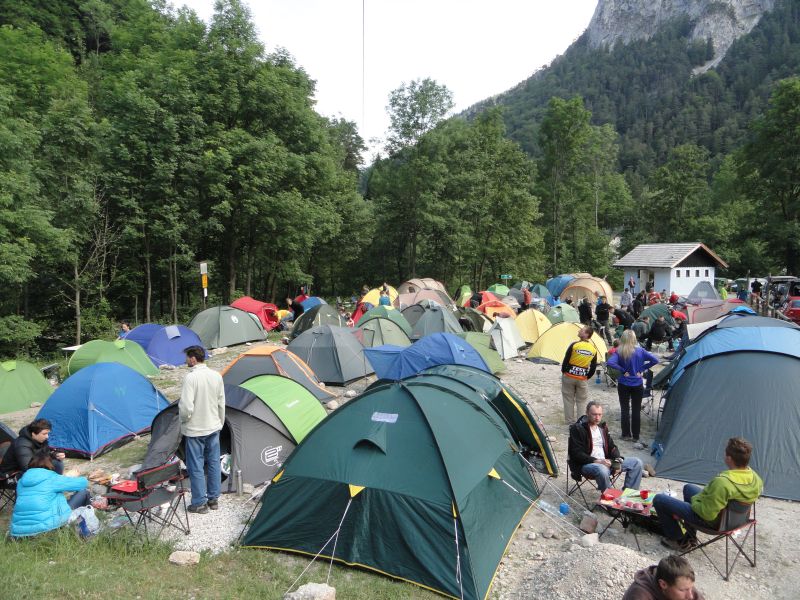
point(597, 443)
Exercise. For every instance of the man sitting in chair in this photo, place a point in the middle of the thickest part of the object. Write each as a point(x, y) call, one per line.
point(702, 506)
point(592, 450)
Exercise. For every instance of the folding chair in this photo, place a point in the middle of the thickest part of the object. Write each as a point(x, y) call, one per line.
point(155, 487)
point(8, 488)
point(576, 481)
point(734, 518)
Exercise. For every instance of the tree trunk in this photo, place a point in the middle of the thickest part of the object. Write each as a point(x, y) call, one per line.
point(148, 280)
point(77, 284)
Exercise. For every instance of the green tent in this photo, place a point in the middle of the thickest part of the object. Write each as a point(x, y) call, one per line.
point(295, 406)
point(463, 295)
point(386, 312)
point(498, 289)
point(21, 384)
point(379, 331)
point(221, 326)
point(397, 471)
point(563, 313)
point(125, 352)
point(657, 310)
point(539, 291)
point(482, 342)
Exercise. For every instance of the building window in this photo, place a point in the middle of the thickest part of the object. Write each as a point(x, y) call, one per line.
point(706, 272)
point(687, 272)
point(697, 272)
point(677, 272)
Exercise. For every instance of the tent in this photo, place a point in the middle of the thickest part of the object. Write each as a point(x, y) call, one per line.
point(563, 313)
point(463, 295)
point(322, 314)
point(221, 326)
point(482, 342)
point(506, 338)
point(124, 352)
point(555, 285)
point(164, 344)
point(264, 420)
point(274, 360)
point(333, 353)
point(709, 311)
point(101, 407)
point(436, 320)
point(380, 331)
point(540, 291)
point(391, 362)
point(310, 302)
point(739, 378)
point(374, 296)
point(413, 313)
point(658, 310)
point(511, 302)
point(495, 307)
point(531, 324)
point(266, 312)
point(424, 283)
point(703, 293)
point(405, 300)
point(525, 427)
point(21, 384)
point(498, 289)
point(552, 344)
point(398, 474)
point(587, 287)
point(473, 320)
point(387, 312)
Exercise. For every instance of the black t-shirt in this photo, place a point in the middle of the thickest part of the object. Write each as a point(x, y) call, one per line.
point(602, 311)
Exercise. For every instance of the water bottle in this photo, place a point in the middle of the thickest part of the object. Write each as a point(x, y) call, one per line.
point(597, 379)
point(563, 508)
point(549, 508)
point(83, 529)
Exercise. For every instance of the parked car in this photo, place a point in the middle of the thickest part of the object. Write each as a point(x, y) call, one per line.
point(792, 310)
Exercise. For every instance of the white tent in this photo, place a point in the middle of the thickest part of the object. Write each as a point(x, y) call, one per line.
point(506, 338)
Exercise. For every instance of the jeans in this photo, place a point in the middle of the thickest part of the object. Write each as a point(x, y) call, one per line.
point(58, 466)
point(668, 507)
point(630, 404)
point(202, 461)
point(602, 474)
point(605, 329)
point(574, 395)
point(79, 499)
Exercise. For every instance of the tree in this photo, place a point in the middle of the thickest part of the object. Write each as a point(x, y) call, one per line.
point(414, 109)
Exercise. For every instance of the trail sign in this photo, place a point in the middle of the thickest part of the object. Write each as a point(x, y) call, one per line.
point(505, 277)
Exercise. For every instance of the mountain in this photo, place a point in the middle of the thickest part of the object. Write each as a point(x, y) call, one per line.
point(665, 73)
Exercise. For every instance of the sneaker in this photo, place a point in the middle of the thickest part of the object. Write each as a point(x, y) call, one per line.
point(200, 509)
point(213, 504)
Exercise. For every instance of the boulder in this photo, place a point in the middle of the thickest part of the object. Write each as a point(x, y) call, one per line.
point(588, 524)
point(332, 405)
point(312, 591)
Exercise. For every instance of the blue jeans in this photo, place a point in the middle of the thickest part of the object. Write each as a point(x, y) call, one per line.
point(202, 461)
point(79, 499)
point(668, 508)
point(602, 475)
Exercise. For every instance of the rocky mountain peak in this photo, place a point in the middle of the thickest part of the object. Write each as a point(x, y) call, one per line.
point(623, 21)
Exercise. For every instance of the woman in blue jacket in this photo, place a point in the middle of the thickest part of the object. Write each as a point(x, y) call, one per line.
point(41, 505)
point(632, 361)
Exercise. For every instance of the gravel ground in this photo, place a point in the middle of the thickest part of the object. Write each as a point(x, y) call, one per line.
point(216, 530)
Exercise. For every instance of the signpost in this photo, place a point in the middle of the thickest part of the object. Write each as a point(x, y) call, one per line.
point(204, 281)
point(506, 277)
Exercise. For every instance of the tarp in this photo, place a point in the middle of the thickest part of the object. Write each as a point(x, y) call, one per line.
point(482, 342)
point(506, 338)
point(435, 320)
point(532, 323)
point(436, 349)
point(552, 344)
point(221, 326)
point(124, 352)
point(563, 313)
point(333, 353)
point(266, 312)
point(399, 473)
point(21, 384)
point(322, 314)
point(101, 407)
point(274, 360)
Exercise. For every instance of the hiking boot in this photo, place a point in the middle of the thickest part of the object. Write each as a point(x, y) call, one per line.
point(676, 545)
point(213, 504)
point(200, 509)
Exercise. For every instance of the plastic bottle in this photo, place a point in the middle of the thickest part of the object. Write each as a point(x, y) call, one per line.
point(549, 508)
point(563, 508)
point(597, 379)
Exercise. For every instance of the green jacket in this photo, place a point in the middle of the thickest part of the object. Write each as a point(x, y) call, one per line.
point(743, 485)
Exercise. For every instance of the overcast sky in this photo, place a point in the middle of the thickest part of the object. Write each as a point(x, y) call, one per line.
point(476, 48)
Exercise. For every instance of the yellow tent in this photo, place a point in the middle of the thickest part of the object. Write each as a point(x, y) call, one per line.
point(553, 343)
point(374, 295)
point(532, 323)
point(587, 287)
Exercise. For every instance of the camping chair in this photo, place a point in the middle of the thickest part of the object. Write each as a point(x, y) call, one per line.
point(611, 375)
point(734, 518)
point(576, 481)
point(154, 487)
point(8, 488)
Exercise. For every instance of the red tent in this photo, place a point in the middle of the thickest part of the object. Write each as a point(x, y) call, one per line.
point(265, 311)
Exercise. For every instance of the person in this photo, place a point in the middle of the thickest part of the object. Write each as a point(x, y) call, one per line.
point(673, 298)
point(32, 438)
point(741, 294)
point(632, 284)
point(659, 332)
point(680, 333)
point(296, 307)
point(349, 320)
point(638, 304)
point(672, 579)
point(124, 330)
point(41, 505)
point(755, 295)
point(626, 299)
point(702, 506)
point(591, 449)
point(585, 311)
point(723, 292)
point(202, 414)
point(579, 364)
point(603, 313)
point(624, 317)
point(384, 298)
point(641, 328)
point(653, 298)
point(631, 361)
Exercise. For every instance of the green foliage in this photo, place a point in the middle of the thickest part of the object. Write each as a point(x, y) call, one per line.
point(18, 335)
point(414, 109)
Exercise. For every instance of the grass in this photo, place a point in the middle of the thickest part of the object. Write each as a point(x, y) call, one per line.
point(117, 565)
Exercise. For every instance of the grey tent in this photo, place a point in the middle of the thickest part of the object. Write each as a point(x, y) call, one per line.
point(221, 326)
point(333, 353)
point(6, 437)
point(702, 293)
point(322, 314)
point(264, 422)
point(413, 312)
point(436, 320)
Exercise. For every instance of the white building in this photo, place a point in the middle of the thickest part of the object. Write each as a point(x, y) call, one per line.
point(672, 267)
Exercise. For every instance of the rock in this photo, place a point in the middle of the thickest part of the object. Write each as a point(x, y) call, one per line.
point(609, 583)
point(332, 405)
point(531, 536)
point(590, 539)
point(97, 489)
point(248, 488)
point(548, 533)
point(35, 404)
point(588, 524)
point(538, 556)
point(350, 393)
point(184, 558)
point(312, 591)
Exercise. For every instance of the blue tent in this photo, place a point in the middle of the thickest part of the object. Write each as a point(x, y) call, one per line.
point(557, 284)
point(164, 344)
point(311, 302)
point(101, 407)
point(394, 363)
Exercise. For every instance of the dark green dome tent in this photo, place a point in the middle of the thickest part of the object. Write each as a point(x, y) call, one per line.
point(124, 352)
point(386, 312)
point(333, 353)
point(221, 326)
point(21, 384)
point(398, 472)
point(436, 319)
point(321, 314)
point(380, 331)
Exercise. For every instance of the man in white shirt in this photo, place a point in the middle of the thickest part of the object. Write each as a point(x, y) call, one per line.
point(202, 414)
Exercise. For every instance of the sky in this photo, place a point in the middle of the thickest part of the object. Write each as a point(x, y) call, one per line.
point(475, 48)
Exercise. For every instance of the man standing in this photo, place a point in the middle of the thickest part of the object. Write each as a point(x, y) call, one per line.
point(585, 311)
point(626, 300)
point(579, 364)
point(32, 440)
point(202, 414)
point(603, 313)
point(672, 579)
point(702, 506)
point(592, 450)
point(632, 284)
